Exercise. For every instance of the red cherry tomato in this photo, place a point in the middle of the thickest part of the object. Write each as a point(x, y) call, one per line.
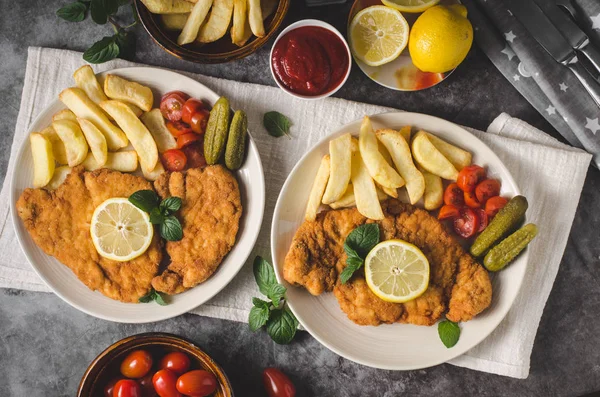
point(110, 387)
point(199, 120)
point(277, 383)
point(494, 204)
point(165, 383)
point(171, 105)
point(449, 211)
point(147, 386)
point(195, 155)
point(483, 219)
point(174, 160)
point(180, 93)
point(178, 128)
point(471, 200)
point(453, 195)
point(197, 383)
point(177, 362)
point(137, 364)
point(467, 223)
point(469, 177)
point(127, 388)
point(186, 139)
point(486, 189)
point(190, 107)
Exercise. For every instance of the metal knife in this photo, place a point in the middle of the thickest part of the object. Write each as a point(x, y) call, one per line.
point(544, 32)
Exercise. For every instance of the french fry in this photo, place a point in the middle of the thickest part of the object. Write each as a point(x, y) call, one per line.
point(136, 110)
point(347, 200)
point(60, 174)
point(117, 87)
point(399, 150)
point(255, 17)
point(95, 140)
point(431, 159)
point(125, 161)
point(458, 157)
point(240, 18)
point(58, 147)
point(388, 159)
point(267, 7)
point(43, 159)
point(152, 176)
point(155, 122)
point(365, 193)
point(192, 25)
point(433, 197)
point(406, 133)
point(71, 135)
point(318, 188)
point(136, 131)
point(379, 169)
point(340, 152)
point(218, 21)
point(75, 99)
point(85, 78)
point(168, 6)
point(174, 21)
point(64, 114)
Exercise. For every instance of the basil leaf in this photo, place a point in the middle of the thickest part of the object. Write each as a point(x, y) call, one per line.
point(259, 314)
point(126, 42)
point(159, 299)
point(276, 293)
point(156, 218)
point(449, 333)
point(282, 326)
point(277, 124)
point(349, 270)
point(171, 229)
point(72, 12)
point(363, 239)
point(170, 205)
point(148, 297)
point(102, 51)
point(264, 275)
point(146, 200)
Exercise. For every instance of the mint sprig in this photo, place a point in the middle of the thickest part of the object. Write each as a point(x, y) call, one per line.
point(357, 246)
point(153, 296)
point(449, 333)
point(161, 213)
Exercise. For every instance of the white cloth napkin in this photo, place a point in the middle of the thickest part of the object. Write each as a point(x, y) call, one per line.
point(541, 166)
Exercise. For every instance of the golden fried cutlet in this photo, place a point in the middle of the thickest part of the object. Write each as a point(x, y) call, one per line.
point(457, 282)
point(59, 223)
point(210, 216)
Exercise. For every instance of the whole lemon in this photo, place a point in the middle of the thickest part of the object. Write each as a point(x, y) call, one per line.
point(440, 38)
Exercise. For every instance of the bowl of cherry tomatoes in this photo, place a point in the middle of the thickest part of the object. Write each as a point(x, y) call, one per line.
point(154, 365)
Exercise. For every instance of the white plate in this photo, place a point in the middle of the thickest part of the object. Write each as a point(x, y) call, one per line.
point(66, 285)
point(394, 346)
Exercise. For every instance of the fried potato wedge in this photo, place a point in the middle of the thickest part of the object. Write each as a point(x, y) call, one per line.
point(365, 193)
point(195, 20)
point(240, 19)
point(347, 200)
point(43, 159)
point(255, 18)
point(218, 21)
point(58, 147)
point(117, 87)
point(71, 135)
point(340, 152)
point(433, 197)
point(125, 161)
point(174, 21)
point(95, 140)
point(399, 150)
point(406, 133)
point(136, 110)
point(155, 173)
point(85, 78)
point(60, 174)
point(317, 190)
point(379, 169)
point(75, 99)
point(431, 159)
point(155, 122)
point(168, 6)
point(458, 157)
point(64, 114)
point(388, 158)
point(136, 131)
point(267, 7)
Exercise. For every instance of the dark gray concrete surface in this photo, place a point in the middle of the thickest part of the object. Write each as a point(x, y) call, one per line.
point(46, 344)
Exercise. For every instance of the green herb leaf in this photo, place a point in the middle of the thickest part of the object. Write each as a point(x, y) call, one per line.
point(98, 12)
point(126, 42)
point(170, 205)
point(449, 333)
point(259, 314)
point(102, 51)
point(277, 124)
point(171, 229)
point(282, 326)
point(363, 239)
point(146, 200)
point(148, 297)
point(152, 295)
point(72, 12)
point(156, 217)
point(276, 293)
point(159, 299)
point(349, 270)
point(264, 275)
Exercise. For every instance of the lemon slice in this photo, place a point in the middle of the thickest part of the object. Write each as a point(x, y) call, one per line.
point(397, 271)
point(410, 5)
point(378, 34)
point(120, 231)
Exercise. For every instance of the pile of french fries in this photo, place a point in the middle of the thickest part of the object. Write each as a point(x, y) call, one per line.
point(106, 125)
point(206, 21)
point(362, 172)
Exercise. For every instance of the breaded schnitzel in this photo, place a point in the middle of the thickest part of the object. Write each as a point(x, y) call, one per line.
point(59, 223)
point(457, 282)
point(210, 216)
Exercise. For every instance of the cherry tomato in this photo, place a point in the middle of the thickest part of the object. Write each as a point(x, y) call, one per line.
point(449, 211)
point(467, 223)
point(174, 160)
point(195, 155)
point(197, 383)
point(486, 189)
point(147, 386)
point(469, 177)
point(186, 139)
point(180, 93)
point(177, 362)
point(471, 200)
point(137, 364)
point(199, 120)
point(453, 195)
point(127, 388)
point(165, 383)
point(190, 107)
point(483, 219)
point(494, 204)
point(110, 387)
point(171, 105)
point(178, 128)
point(277, 383)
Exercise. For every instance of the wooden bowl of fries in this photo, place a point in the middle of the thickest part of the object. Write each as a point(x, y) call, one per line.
point(199, 30)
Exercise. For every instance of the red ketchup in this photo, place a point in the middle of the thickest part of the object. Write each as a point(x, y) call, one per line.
point(310, 60)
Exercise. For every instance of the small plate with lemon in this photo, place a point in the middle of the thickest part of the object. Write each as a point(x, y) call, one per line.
point(409, 45)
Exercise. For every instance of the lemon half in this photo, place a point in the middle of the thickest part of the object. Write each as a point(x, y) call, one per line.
point(120, 231)
point(397, 271)
point(410, 5)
